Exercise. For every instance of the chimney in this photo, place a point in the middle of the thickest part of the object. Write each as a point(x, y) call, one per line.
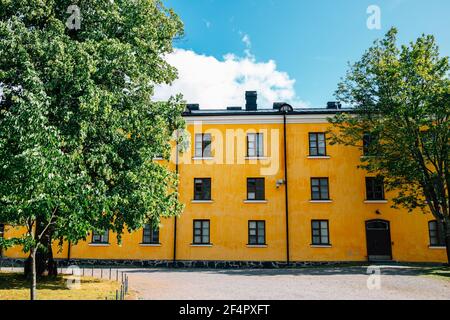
point(333, 105)
point(250, 100)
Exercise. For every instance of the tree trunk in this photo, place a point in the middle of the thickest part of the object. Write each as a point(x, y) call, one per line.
point(447, 242)
point(33, 274)
point(45, 264)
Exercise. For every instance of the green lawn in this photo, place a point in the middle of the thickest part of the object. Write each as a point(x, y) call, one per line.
point(14, 286)
point(439, 272)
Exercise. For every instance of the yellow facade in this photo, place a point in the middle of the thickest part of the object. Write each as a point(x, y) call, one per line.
point(229, 213)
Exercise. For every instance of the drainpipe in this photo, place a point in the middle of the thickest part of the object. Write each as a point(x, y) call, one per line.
point(175, 220)
point(285, 110)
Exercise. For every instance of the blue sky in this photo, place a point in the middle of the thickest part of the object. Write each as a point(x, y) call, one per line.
point(306, 41)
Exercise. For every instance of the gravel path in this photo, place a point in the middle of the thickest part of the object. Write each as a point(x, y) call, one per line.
point(348, 283)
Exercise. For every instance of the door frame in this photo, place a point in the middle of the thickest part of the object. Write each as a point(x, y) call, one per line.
point(389, 237)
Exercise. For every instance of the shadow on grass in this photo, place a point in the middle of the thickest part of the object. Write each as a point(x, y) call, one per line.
point(440, 272)
point(17, 281)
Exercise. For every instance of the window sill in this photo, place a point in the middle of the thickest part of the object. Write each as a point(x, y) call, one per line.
point(150, 244)
point(201, 245)
point(255, 201)
point(257, 246)
point(201, 201)
point(319, 157)
point(99, 244)
point(257, 158)
point(437, 247)
point(202, 158)
point(321, 246)
point(320, 201)
point(375, 201)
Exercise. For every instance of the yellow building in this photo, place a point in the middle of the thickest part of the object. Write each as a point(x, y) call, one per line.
point(263, 186)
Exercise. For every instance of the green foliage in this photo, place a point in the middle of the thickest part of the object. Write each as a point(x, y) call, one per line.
point(402, 97)
point(78, 129)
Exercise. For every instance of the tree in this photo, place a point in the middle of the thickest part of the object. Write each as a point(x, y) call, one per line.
point(401, 99)
point(78, 128)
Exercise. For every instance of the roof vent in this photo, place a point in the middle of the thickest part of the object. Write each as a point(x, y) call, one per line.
point(250, 100)
point(334, 105)
point(193, 107)
point(234, 108)
point(278, 105)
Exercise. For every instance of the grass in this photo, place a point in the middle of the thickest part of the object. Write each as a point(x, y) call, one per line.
point(439, 272)
point(14, 286)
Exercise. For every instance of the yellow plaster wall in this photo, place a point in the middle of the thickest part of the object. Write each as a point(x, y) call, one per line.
point(229, 215)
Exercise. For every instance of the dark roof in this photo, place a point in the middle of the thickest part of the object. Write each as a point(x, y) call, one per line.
point(264, 112)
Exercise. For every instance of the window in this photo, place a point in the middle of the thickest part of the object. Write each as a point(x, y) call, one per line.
point(317, 144)
point(202, 189)
point(256, 232)
point(255, 145)
point(369, 144)
point(150, 234)
point(374, 188)
point(319, 189)
point(436, 234)
point(255, 189)
point(203, 145)
point(201, 232)
point(100, 237)
point(320, 234)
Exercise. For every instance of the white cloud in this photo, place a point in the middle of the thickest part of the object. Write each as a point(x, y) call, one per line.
point(246, 40)
point(218, 83)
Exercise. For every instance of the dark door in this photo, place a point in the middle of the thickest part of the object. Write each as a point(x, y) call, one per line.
point(378, 236)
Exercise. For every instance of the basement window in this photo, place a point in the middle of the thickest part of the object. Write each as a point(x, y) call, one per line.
point(150, 235)
point(436, 234)
point(101, 237)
